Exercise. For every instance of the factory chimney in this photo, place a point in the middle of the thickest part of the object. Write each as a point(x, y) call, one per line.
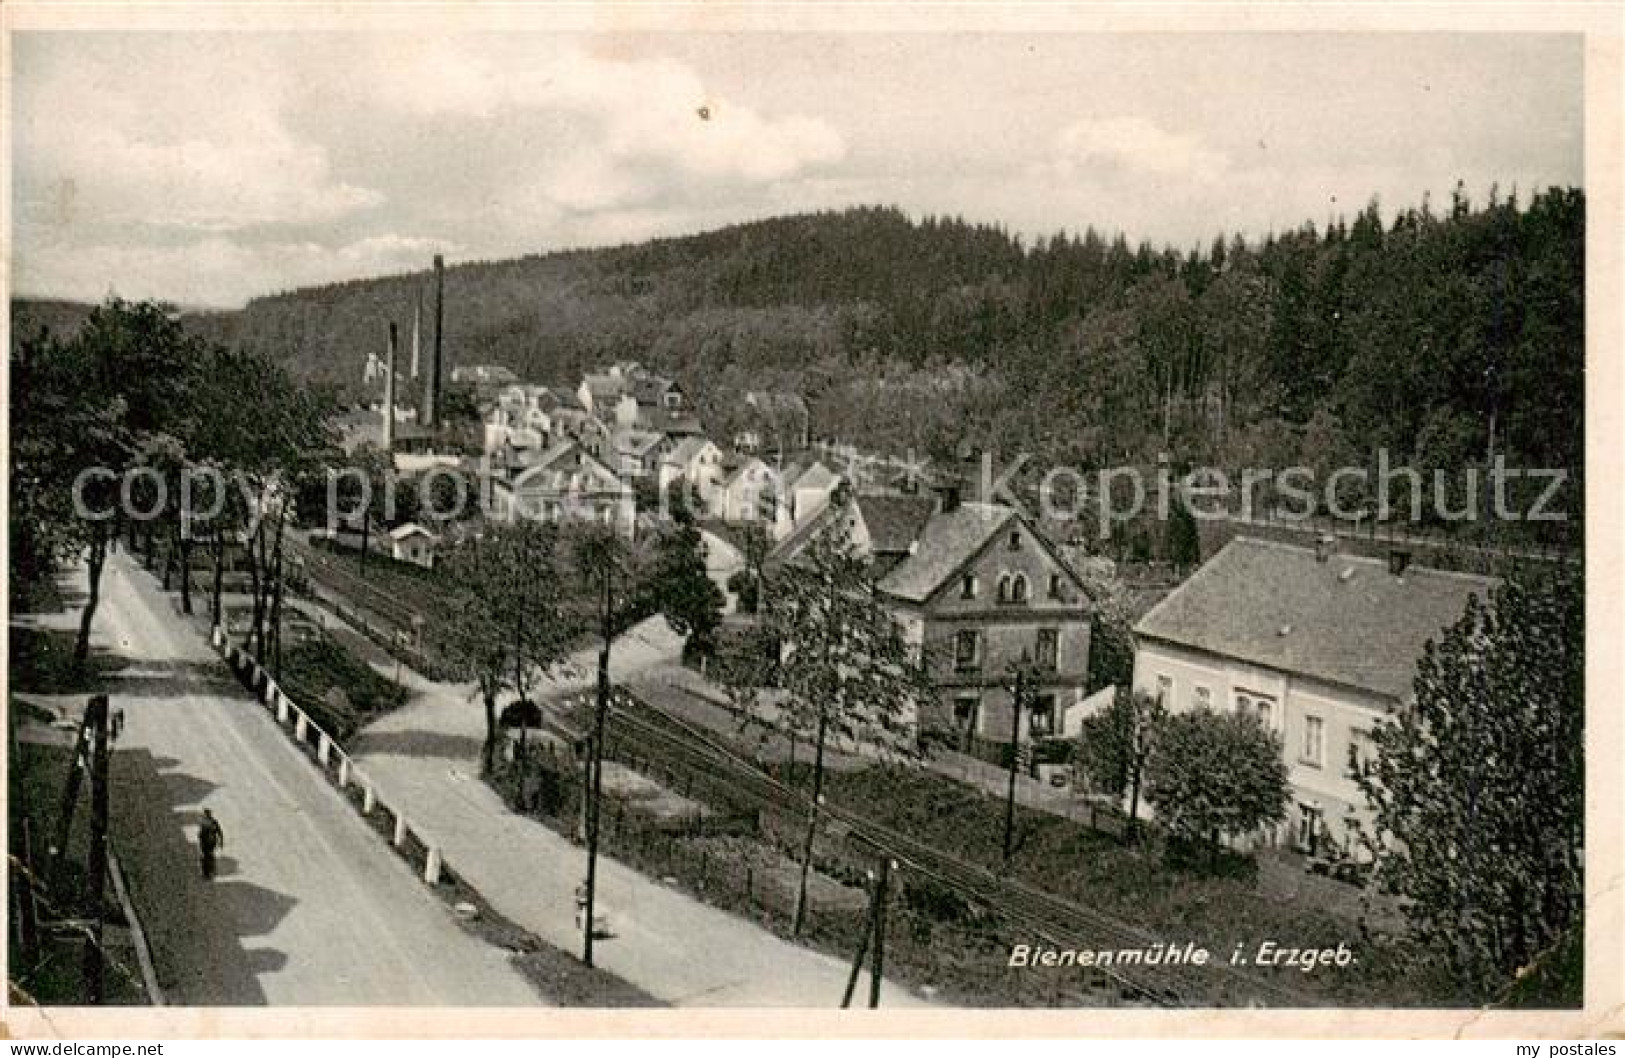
point(417, 331)
point(431, 388)
point(389, 394)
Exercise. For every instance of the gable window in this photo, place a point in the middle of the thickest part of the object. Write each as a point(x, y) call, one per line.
point(967, 651)
point(1018, 588)
point(1314, 740)
point(1046, 653)
point(1055, 585)
point(967, 586)
point(1015, 540)
point(1004, 587)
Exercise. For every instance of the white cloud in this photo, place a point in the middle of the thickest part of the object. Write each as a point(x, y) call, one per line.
point(1135, 146)
point(201, 145)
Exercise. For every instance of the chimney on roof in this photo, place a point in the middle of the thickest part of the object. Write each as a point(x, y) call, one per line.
point(1325, 545)
point(947, 497)
point(1398, 561)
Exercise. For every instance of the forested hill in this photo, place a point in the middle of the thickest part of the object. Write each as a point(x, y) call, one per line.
point(1317, 345)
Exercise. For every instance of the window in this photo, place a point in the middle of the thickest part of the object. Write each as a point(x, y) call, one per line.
point(1308, 832)
point(1004, 587)
point(1261, 706)
point(1018, 588)
point(1015, 540)
point(967, 586)
point(1041, 724)
point(1202, 697)
point(1047, 651)
point(1363, 751)
point(965, 709)
point(1314, 740)
point(967, 651)
point(1055, 585)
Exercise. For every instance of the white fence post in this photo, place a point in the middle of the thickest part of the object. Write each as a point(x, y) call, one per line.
point(324, 749)
point(400, 830)
point(431, 869)
point(368, 799)
point(344, 773)
point(299, 726)
point(271, 690)
point(282, 706)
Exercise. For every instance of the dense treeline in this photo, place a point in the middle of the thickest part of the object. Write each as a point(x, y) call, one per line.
point(1418, 334)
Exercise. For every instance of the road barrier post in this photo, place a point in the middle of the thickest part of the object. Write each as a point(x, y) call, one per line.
point(299, 726)
point(283, 704)
point(369, 798)
point(344, 773)
point(431, 868)
point(400, 830)
point(324, 750)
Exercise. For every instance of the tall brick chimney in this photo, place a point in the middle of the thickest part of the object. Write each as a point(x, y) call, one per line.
point(431, 386)
point(389, 393)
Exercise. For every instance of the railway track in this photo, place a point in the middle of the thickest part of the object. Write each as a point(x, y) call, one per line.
point(1056, 922)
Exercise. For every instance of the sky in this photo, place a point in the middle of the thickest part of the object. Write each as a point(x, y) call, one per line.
point(208, 169)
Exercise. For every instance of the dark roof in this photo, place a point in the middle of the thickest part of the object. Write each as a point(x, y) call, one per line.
point(948, 540)
point(1346, 620)
point(651, 389)
point(893, 522)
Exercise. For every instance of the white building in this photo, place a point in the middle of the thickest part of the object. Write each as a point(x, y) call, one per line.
point(1318, 645)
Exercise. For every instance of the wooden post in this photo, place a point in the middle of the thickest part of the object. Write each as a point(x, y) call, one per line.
point(431, 869)
point(324, 750)
point(877, 970)
point(299, 727)
point(369, 798)
point(344, 773)
point(69, 802)
point(400, 830)
point(96, 863)
point(863, 945)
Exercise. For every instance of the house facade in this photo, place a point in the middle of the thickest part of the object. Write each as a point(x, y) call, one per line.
point(565, 483)
point(1318, 646)
point(413, 543)
point(979, 591)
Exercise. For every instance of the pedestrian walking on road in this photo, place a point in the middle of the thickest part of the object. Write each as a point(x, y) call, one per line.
point(209, 838)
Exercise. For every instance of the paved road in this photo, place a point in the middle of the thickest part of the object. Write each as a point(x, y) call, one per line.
point(670, 945)
point(310, 907)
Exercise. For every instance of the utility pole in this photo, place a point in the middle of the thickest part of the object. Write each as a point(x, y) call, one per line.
point(877, 968)
point(595, 750)
point(96, 863)
point(1020, 689)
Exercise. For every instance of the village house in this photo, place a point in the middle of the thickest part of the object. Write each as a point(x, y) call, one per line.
point(697, 462)
point(411, 542)
point(1318, 645)
point(564, 483)
point(979, 590)
point(748, 493)
point(521, 418)
point(637, 453)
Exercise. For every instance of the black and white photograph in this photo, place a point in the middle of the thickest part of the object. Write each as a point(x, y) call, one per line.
point(679, 508)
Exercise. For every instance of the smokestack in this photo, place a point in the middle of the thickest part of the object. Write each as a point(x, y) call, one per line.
point(389, 394)
point(417, 331)
point(431, 401)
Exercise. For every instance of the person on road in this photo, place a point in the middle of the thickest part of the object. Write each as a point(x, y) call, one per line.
point(209, 838)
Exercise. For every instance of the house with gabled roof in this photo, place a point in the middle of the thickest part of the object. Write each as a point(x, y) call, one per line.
point(1318, 646)
point(564, 483)
point(978, 590)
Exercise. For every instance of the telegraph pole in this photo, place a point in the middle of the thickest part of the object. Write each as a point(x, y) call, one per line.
point(96, 863)
point(595, 752)
point(1020, 689)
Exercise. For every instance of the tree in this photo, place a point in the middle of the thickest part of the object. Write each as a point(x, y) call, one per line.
point(1215, 775)
point(843, 664)
point(1184, 544)
point(499, 620)
point(1111, 633)
point(1116, 743)
point(1477, 786)
point(675, 583)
